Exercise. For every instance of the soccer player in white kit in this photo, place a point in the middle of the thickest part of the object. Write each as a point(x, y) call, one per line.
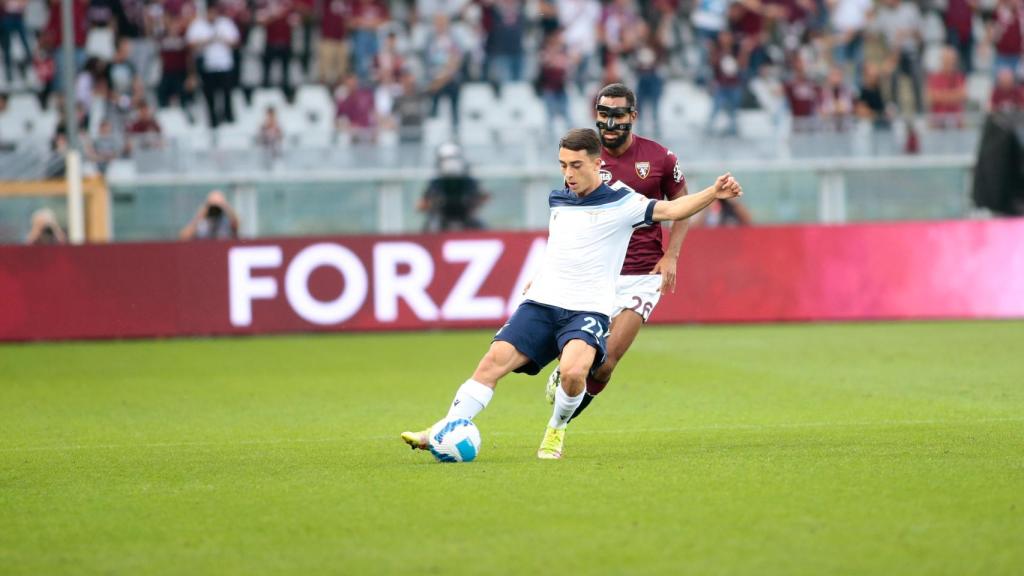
point(565, 313)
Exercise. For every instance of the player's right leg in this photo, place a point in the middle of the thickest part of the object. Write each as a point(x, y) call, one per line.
point(474, 394)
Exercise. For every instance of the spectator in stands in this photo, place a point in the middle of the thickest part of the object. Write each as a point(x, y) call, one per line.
point(947, 92)
point(45, 229)
point(137, 22)
point(333, 48)
point(106, 147)
point(959, 21)
point(504, 24)
point(305, 11)
point(453, 198)
point(270, 137)
point(547, 17)
point(213, 38)
point(1007, 36)
point(836, 105)
point(409, 110)
point(871, 104)
point(215, 220)
point(709, 18)
point(356, 110)
point(144, 131)
point(368, 17)
point(13, 22)
point(90, 83)
point(580, 20)
point(389, 63)
point(727, 87)
point(239, 12)
point(277, 18)
point(174, 78)
point(748, 23)
point(899, 23)
point(555, 62)
point(803, 96)
point(121, 70)
point(647, 60)
point(1008, 94)
point(51, 38)
point(618, 30)
point(849, 19)
point(444, 57)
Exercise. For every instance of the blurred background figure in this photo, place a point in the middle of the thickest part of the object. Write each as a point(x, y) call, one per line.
point(215, 220)
point(1008, 94)
point(45, 229)
point(723, 213)
point(453, 198)
point(947, 92)
point(271, 137)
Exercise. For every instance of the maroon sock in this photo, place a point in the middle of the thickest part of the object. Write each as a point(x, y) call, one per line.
point(594, 387)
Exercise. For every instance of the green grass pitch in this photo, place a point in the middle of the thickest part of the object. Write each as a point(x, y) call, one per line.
point(798, 449)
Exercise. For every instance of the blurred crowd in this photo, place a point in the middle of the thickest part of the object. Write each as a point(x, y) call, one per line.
point(390, 65)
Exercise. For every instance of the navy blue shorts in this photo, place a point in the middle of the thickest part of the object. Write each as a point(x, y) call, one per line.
point(540, 332)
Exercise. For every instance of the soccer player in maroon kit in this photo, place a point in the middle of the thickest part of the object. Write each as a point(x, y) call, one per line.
point(649, 270)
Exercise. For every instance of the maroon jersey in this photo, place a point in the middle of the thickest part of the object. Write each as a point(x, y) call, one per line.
point(652, 170)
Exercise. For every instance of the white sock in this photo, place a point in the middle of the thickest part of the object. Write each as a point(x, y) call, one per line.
point(471, 398)
point(565, 406)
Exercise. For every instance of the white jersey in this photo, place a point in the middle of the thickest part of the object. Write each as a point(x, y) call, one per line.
point(587, 240)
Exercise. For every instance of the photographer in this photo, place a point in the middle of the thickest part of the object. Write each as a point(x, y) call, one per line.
point(453, 197)
point(215, 220)
point(45, 229)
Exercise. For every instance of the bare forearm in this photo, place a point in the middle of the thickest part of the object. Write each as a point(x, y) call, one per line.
point(684, 206)
point(676, 237)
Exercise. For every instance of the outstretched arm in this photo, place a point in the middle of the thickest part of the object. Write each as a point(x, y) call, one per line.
point(725, 187)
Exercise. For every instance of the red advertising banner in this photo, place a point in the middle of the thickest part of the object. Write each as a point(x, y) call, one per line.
point(971, 269)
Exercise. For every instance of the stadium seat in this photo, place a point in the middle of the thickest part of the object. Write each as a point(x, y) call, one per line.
point(315, 99)
point(234, 137)
point(24, 104)
point(263, 98)
point(520, 108)
point(756, 124)
point(173, 122)
point(979, 89)
point(476, 102)
point(436, 131)
point(683, 104)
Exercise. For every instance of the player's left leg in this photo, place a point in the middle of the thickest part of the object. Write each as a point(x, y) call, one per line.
point(577, 358)
point(625, 326)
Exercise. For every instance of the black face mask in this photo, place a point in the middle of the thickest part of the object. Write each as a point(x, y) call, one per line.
point(617, 121)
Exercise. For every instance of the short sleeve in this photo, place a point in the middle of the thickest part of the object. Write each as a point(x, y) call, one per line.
point(641, 210)
point(673, 182)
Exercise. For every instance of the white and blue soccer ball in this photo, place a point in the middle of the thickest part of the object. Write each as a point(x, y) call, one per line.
point(454, 440)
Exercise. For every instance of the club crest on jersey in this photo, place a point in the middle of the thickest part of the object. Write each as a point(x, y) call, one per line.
point(643, 169)
point(606, 176)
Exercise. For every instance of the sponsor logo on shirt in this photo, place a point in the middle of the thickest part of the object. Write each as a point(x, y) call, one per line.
point(606, 176)
point(677, 173)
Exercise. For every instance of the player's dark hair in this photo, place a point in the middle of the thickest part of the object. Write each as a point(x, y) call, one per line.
point(581, 139)
point(617, 90)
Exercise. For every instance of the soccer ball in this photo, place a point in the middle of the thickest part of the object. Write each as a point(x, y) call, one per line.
point(454, 440)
